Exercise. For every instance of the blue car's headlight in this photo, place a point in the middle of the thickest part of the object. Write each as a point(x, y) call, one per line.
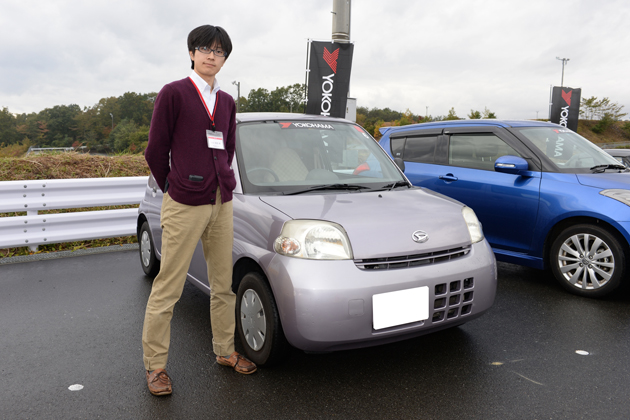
point(474, 227)
point(618, 194)
point(313, 239)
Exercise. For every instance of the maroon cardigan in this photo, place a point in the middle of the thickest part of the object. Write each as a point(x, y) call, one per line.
point(178, 126)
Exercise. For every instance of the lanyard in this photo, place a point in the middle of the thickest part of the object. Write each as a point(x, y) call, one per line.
point(216, 101)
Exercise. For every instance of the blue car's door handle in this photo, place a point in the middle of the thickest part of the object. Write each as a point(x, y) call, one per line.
point(448, 177)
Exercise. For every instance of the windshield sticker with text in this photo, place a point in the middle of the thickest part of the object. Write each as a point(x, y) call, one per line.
point(307, 125)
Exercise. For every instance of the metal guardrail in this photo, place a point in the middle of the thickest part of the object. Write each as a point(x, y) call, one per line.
point(38, 150)
point(618, 145)
point(36, 229)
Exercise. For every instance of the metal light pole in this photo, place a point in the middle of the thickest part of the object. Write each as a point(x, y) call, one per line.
point(238, 94)
point(341, 21)
point(564, 61)
point(112, 115)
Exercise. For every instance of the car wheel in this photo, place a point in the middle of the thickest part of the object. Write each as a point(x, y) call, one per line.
point(258, 321)
point(148, 259)
point(587, 260)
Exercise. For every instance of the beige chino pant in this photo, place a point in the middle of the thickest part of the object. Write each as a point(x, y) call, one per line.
point(182, 228)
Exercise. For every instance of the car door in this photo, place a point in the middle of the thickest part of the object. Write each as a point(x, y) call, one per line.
point(462, 167)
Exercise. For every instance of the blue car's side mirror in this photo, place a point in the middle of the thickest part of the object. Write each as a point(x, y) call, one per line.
point(511, 165)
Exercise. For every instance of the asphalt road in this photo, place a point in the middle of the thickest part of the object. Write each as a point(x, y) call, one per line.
point(78, 321)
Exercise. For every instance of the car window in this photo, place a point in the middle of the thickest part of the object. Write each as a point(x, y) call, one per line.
point(477, 151)
point(397, 147)
point(567, 149)
point(276, 156)
point(420, 149)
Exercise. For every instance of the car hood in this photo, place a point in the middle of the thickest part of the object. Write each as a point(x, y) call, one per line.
point(381, 224)
point(606, 180)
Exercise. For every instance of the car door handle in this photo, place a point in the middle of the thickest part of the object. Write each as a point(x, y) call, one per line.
point(448, 178)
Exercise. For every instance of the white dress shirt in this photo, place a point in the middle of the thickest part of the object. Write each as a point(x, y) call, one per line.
point(208, 93)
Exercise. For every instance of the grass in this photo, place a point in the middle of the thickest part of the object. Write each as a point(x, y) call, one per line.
point(614, 134)
point(65, 166)
point(71, 165)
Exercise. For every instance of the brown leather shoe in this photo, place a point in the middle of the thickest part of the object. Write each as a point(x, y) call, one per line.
point(238, 362)
point(159, 383)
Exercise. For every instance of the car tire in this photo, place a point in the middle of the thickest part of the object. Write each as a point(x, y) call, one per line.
point(587, 260)
point(148, 258)
point(258, 321)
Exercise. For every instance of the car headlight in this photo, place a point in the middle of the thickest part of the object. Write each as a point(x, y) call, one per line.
point(474, 227)
point(618, 194)
point(313, 239)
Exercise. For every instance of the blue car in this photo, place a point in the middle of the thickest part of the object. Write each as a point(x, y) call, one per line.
point(547, 198)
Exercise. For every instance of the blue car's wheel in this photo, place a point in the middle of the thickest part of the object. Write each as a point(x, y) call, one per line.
point(587, 260)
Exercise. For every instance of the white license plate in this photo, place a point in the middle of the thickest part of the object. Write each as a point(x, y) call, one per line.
point(400, 307)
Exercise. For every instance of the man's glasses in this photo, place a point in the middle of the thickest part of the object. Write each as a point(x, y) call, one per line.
point(207, 50)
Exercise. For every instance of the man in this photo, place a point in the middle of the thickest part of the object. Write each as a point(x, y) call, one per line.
point(193, 128)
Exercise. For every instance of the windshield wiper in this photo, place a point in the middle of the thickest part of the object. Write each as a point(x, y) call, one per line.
point(328, 187)
point(396, 184)
point(602, 168)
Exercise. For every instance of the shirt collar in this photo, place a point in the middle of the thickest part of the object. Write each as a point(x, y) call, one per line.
point(202, 85)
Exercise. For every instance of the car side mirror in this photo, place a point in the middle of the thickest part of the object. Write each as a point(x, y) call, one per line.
point(511, 165)
point(400, 163)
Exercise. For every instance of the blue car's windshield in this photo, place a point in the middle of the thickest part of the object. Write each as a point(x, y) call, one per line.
point(567, 149)
point(287, 157)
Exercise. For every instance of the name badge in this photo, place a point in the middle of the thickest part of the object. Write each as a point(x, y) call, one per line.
point(215, 139)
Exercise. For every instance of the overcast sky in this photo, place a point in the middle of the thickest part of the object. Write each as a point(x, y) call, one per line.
point(499, 54)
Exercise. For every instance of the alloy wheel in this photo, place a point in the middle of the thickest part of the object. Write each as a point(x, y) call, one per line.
point(586, 261)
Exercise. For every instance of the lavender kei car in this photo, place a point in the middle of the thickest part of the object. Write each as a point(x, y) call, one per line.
point(333, 247)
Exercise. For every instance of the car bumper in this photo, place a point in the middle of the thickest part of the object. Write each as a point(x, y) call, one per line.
point(328, 305)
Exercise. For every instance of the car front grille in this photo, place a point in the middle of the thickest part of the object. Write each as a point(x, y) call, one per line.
point(453, 299)
point(408, 261)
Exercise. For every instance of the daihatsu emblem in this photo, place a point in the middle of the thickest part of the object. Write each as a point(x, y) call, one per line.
point(420, 236)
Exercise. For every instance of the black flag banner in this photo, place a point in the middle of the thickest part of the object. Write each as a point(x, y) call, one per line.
point(329, 78)
point(565, 107)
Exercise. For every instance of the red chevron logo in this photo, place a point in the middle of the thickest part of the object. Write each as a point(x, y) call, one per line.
point(331, 58)
point(567, 96)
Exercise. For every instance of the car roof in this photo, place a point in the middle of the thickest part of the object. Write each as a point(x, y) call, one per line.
point(470, 123)
point(283, 116)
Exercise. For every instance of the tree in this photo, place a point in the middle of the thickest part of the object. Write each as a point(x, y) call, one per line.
point(278, 100)
point(258, 100)
point(593, 109)
point(128, 136)
point(377, 126)
point(8, 127)
point(487, 114)
point(407, 118)
point(588, 107)
point(281, 99)
point(451, 115)
point(474, 115)
point(136, 107)
point(295, 97)
point(61, 122)
point(242, 104)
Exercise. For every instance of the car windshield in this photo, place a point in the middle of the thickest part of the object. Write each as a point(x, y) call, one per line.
point(567, 149)
point(293, 157)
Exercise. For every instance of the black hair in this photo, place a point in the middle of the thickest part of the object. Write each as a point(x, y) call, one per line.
point(207, 36)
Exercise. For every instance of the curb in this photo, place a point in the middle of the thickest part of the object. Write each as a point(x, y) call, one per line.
point(67, 254)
